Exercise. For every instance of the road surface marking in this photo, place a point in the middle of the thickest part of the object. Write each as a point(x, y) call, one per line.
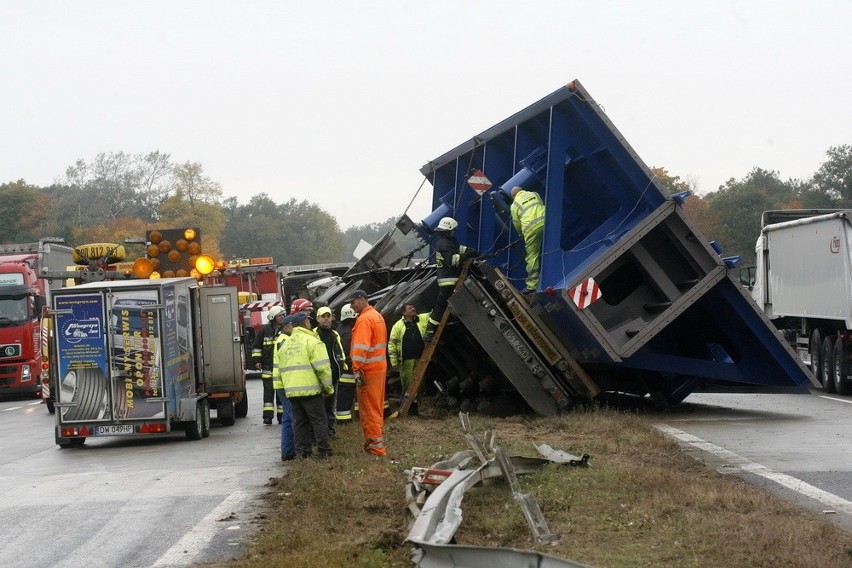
point(188, 550)
point(34, 403)
point(836, 399)
point(13, 408)
point(788, 481)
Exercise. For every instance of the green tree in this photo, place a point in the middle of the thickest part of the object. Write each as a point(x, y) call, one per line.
point(195, 202)
point(738, 204)
point(834, 177)
point(26, 213)
point(296, 232)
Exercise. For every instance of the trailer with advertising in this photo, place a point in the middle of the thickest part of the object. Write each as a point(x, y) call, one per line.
point(141, 357)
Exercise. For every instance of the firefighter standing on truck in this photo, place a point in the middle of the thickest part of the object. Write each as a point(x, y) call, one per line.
point(369, 365)
point(528, 218)
point(449, 256)
point(262, 354)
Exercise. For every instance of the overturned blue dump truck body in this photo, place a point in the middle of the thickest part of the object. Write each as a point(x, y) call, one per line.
point(669, 319)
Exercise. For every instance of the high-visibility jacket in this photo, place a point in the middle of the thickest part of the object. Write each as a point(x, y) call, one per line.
point(369, 342)
point(263, 348)
point(449, 257)
point(276, 371)
point(303, 365)
point(527, 212)
point(396, 334)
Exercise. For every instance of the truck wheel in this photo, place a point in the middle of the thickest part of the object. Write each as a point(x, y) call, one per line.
point(194, 428)
point(841, 368)
point(241, 408)
point(205, 417)
point(815, 348)
point(51, 406)
point(827, 375)
point(226, 412)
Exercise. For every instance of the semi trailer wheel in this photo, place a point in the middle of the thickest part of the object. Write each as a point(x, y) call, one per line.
point(815, 349)
point(225, 411)
point(205, 416)
point(827, 375)
point(841, 368)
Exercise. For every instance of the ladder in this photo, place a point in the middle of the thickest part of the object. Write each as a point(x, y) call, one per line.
point(428, 351)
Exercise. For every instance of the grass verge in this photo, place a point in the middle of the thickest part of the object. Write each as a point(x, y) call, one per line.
point(642, 502)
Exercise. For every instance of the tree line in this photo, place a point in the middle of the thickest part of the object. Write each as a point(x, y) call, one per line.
point(117, 196)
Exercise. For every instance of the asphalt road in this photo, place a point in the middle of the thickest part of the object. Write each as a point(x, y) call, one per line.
point(798, 446)
point(159, 501)
point(166, 501)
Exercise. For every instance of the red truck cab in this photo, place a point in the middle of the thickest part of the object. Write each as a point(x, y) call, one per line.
point(21, 302)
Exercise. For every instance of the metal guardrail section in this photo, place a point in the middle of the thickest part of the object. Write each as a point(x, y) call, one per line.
point(439, 516)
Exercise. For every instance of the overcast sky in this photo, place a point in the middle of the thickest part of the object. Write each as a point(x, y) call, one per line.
point(341, 103)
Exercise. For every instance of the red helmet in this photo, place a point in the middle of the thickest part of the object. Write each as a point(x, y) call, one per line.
point(300, 305)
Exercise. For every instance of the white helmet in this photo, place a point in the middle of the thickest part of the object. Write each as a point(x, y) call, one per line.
point(346, 312)
point(447, 224)
point(274, 311)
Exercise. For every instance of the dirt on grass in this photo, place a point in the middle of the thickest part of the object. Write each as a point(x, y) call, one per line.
point(642, 501)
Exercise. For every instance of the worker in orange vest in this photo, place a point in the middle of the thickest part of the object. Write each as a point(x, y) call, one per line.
point(369, 365)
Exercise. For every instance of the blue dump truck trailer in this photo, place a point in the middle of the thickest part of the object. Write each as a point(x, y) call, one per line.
point(632, 298)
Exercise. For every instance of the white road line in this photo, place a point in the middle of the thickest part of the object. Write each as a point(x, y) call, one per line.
point(836, 399)
point(13, 408)
point(188, 549)
point(829, 499)
point(34, 403)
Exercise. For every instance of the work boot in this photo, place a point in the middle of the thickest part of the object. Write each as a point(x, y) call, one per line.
point(267, 421)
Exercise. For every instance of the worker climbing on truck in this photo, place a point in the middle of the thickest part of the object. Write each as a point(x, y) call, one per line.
point(449, 256)
point(528, 218)
point(262, 354)
point(405, 346)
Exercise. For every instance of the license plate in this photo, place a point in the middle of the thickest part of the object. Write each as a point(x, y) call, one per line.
point(113, 430)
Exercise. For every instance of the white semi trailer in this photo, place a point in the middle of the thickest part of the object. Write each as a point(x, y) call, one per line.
point(802, 279)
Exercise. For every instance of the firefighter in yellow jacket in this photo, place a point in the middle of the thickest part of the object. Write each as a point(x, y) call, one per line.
point(528, 218)
point(405, 346)
point(306, 376)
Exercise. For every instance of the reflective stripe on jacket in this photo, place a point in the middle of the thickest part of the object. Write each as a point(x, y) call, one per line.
point(449, 257)
point(369, 342)
point(276, 372)
point(263, 348)
point(397, 331)
point(303, 365)
point(527, 212)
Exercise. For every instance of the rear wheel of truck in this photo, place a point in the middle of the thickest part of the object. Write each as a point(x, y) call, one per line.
point(815, 348)
point(194, 428)
point(827, 375)
point(225, 411)
point(241, 408)
point(51, 406)
point(841, 368)
point(205, 416)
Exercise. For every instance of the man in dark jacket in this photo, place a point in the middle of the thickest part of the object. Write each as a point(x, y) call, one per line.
point(449, 256)
point(336, 358)
point(345, 392)
point(262, 355)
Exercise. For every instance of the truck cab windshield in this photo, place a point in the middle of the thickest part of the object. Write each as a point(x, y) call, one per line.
point(14, 310)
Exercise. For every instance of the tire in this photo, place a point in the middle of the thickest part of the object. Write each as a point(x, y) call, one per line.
point(827, 375)
point(194, 428)
point(78, 442)
point(841, 368)
point(226, 412)
point(51, 406)
point(89, 394)
point(205, 418)
point(815, 349)
point(241, 408)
